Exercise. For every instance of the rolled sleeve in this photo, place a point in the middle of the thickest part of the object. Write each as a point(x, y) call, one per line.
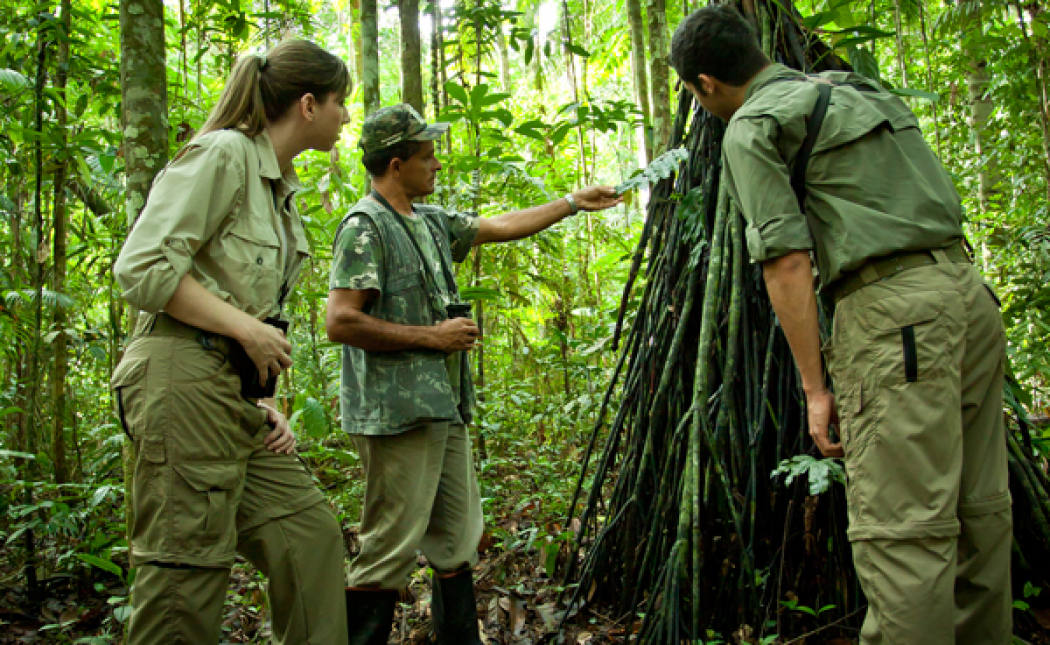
point(357, 256)
point(187, 204)
point(760, 184)
point(462, 231)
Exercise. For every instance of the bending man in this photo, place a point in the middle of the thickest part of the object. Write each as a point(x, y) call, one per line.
point(917, 350)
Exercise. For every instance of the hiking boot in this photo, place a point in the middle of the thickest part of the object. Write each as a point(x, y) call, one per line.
point(455, 610)
point(370, 615)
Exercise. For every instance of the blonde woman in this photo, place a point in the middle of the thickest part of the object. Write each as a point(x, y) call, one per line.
point(210, 263)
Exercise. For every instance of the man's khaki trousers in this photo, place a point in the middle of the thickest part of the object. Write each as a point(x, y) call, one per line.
point(917, 362)
point(206, 488)
point(421, 494)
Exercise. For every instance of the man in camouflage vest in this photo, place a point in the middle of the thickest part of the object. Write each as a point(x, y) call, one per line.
point(407, 395)
point(917, 348)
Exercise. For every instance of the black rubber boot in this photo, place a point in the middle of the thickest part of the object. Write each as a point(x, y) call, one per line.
point(370, 615)
point(455, 610)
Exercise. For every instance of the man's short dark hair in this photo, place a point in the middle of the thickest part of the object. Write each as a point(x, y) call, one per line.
point(376, 163)
point(718, 41)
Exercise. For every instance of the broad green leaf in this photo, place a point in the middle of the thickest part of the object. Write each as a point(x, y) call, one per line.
point(916, 94)
point(12, 81)
point(576, 49)
point(457, 92)
point(100, 563)
point(475, 294)
point(314, 421)
point(863, 62)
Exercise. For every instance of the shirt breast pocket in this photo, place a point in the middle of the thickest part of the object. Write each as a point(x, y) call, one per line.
point(254, 251)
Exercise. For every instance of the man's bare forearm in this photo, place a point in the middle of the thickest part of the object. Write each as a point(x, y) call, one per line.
point(357, 329)
point(789, 280)
point(518, 225)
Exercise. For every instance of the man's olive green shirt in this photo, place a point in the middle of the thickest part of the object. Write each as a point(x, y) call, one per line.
point(874, 186)
point(223, 212)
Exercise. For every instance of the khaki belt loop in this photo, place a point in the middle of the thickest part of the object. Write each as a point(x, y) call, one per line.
point(869, 274)
point(940, 255)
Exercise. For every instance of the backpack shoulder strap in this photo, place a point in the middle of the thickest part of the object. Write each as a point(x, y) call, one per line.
point(816, 120)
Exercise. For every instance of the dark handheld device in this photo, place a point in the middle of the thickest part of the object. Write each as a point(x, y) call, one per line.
point(458, 310)
point(249, 373)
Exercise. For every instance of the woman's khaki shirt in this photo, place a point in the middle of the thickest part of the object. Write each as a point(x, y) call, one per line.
point(222, 212)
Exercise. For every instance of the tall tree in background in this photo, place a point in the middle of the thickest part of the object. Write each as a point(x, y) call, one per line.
point(981, 106)
point(641, 77)
point(659, 58)
point(61, 366)
point(411, 65)
point(144, 97)
point(370, 55)
point(144, 94)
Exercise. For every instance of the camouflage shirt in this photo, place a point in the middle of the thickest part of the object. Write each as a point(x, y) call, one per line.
point(384, 393)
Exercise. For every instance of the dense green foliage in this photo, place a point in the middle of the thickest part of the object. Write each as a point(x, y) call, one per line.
point(541, 101)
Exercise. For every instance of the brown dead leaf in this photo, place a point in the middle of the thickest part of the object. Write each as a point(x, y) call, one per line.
point(518, 614)
point(584, 637)
point(1043, 616)
point(546, 614)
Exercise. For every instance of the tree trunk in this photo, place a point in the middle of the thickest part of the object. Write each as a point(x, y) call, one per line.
point(436, 46)
point(902, 54)
point(641, 77)
point(1038, 48)
point(144, 96)
point(659, 56)
point(370, 55)
point(144, 93)
point(981, 108)
point(61, 366)
point(504, 58)
point(411, 66)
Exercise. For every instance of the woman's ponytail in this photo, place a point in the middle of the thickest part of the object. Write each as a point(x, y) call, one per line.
point(264, 87)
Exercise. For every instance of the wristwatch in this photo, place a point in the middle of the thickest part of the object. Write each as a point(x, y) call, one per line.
point(572, 204)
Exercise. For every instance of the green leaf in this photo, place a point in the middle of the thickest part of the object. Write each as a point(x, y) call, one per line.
point(863, 62)
point(12, 81)
point(457, 92)
point(576, 49)
point(16, 455)
point(100, 563)
point(661, 168)
point(314, 421)
point(475, 294)
point(916, 94)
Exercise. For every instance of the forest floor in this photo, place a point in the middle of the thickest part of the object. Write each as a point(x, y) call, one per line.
point(523, 555)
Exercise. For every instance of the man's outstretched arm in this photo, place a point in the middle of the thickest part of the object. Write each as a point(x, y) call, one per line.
point(789, 281)
point(524, 223)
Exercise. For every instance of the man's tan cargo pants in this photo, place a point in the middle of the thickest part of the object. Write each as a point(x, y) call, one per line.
point(917, 362)
point(421, 494)
point(206, 488)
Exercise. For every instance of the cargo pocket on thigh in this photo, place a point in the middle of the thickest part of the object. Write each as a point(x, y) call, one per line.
point(901, 339)
point(206, 501)
point(128, 385)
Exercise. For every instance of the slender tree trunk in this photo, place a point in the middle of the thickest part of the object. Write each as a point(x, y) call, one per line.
point(144, 93)
point(504, 58)
point(370, 55)
point(981, 108)
point(411, 64)
point(641, 76)
point(659, 56)
point(1038, 47)
point(902, 54)
point(144, 96)
point(930, 84)
point(435, 58)
point(61, 366)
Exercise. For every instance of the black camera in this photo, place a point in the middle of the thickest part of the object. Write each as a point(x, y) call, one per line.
point(458, 310)
point(250, 386)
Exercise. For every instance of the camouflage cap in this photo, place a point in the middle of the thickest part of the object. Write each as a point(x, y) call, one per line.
point(393, 124)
